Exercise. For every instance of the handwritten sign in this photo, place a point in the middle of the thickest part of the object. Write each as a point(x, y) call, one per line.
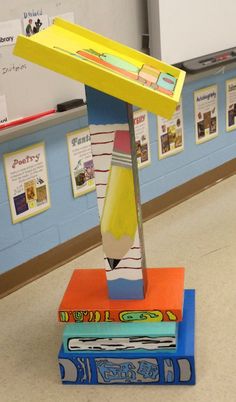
point(13, 68)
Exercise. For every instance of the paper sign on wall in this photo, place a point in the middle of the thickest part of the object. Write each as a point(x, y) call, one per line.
point(33, 25)
point(3, 109)
point(9, 30)
point(171, 134)
point(27, 182)
point(81, 161)
point(141, 131)
point(206, 118)
point(231, 104)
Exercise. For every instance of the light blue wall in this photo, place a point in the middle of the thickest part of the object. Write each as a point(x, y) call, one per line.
point(68, 217)
point(163, 175)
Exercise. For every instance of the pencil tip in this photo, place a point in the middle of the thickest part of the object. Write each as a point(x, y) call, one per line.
point(113, 262)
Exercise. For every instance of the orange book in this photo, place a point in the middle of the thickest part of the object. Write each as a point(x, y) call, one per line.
point(86, 298)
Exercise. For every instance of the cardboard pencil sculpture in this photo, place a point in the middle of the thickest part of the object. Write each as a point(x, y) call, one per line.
point(153, 343)
point(115, 177)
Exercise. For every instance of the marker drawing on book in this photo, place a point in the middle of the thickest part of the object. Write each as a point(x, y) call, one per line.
point(128, 343)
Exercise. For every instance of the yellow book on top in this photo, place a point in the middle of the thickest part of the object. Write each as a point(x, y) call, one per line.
point(105, 65)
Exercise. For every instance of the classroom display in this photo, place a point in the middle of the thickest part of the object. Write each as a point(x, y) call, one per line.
point(154, 340)
point(27, 181)
point(81, 162)
point(206, 114)
point(171, 134)
point(141, 131)
point(230, 86)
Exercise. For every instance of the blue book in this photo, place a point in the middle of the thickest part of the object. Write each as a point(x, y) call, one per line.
point(133, 366)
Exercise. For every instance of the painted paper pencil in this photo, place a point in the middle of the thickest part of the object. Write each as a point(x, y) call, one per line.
point(114, 155)
point(119, 222)
point(118, 228)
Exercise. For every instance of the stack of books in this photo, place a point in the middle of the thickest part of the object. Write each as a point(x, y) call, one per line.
point(148, 341)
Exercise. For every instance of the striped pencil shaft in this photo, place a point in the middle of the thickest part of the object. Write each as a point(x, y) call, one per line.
point(114, 151)
point(116, 224)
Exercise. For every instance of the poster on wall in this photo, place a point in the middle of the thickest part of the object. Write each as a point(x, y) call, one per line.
point(230, 104)
point(27, 181)
point(171, 134)
point(32, 25)
point(206, 118)
point(142, 140)
point(81, 161)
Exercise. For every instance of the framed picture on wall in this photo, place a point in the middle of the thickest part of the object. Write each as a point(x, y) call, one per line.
point(27, 181)
point(230, 87)
point(170, 134)
point(141, 130)
point(81, 162)
point(206, 114)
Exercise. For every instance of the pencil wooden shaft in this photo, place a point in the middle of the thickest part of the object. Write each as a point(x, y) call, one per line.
point(137, 189)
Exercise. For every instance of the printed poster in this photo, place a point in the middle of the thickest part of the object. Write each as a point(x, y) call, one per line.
point(142, 140)
point(230, 104)
point(3, 109)
point(27, 182)
point(171, 134)
point(206, 118)
point(9, 30)
point(81, 162)
point(33, 25)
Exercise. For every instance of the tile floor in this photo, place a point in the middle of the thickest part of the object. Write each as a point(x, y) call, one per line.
point(199, 234)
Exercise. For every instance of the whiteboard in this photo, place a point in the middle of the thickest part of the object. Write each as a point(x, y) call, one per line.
point(184, 29)
point(30, 89)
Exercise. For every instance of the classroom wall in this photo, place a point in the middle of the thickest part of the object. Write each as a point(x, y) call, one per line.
point(69, 217)
point(121, 20)
point(183, 29)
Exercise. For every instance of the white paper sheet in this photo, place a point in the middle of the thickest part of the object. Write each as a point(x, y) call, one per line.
point(9, 30)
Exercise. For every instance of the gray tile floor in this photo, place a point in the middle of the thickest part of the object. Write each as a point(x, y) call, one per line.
point(199, 234)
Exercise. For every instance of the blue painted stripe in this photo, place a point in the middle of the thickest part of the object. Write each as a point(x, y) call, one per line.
point(124, 289)
point(105, 109)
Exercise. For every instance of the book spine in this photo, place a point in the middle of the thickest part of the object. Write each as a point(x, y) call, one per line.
point(161, 343)
point(119, 316)
point(141, 368)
